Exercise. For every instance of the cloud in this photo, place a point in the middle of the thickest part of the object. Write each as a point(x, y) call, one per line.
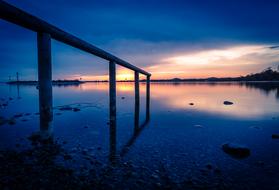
point(274, 47)
point(148, 34)
point(232, 61)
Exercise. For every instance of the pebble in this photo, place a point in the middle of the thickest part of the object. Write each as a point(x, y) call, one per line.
point(84, 151)
point(259, 163)
point(198, 126)
point(18, 115)
point(255, 127)
point(209, 166)
point(155, 176)
point(228, 103)
point(217, 171)
point(235, 150)
point(11, 122)
point(67, 157)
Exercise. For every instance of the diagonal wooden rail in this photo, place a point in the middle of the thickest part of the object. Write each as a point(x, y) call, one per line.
point(46, 32)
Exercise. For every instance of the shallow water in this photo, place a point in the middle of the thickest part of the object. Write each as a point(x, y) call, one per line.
point(180, 146)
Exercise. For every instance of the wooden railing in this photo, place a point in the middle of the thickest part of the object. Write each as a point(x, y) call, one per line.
point(46, 32)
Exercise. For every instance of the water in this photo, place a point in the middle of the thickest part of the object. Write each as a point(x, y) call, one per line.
point(180, 147)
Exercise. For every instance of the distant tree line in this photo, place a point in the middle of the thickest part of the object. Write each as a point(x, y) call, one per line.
point(266, 75)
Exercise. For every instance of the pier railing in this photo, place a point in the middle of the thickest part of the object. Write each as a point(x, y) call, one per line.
point(46, 32)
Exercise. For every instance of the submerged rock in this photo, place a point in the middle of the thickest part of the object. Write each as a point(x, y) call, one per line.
point(235, 150)
point(217, 171)
point(255, 127)
point(2, 120)
point(11, 121)
point(76, 109)
point(209, 166)
point(259, 163)
point(4, 104)
point(18, 115)
point(275, 136)
point(228, 103)
point(66, 108)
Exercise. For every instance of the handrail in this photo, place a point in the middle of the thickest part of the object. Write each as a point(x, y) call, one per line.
point(26, 20)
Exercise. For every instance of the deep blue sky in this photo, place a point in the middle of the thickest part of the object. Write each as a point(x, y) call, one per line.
point(141, 32)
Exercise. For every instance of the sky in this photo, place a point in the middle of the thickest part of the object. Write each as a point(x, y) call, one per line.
point(169, 39)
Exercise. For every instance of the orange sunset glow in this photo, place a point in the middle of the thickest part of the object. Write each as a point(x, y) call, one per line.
point(227, 62)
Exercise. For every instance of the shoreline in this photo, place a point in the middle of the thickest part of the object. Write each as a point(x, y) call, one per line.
point(142, 81)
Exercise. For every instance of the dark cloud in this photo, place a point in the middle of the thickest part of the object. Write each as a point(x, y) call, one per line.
point(274, 47)
point(146, 26)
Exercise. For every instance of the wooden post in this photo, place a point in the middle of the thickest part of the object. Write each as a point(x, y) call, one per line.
point(147, 98)
point(17, 78)
point(112, 92)
point(44, 78)
point(112, 110)
point(137, 100)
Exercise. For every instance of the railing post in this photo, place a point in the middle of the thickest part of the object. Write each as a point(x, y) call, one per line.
point(112, 91)
point(147, 98)
point(112, 110)
point(45, 80)
point(137, 99)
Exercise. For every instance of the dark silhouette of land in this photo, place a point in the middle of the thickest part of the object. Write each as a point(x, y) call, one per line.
point(266, 75)
point(54, 82)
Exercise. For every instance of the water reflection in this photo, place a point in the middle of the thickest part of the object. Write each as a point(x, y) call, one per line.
point(265, 87)
point(209, 97)
point(131, 141)
point(46, 117)
point(171, 138)
point(113, 154)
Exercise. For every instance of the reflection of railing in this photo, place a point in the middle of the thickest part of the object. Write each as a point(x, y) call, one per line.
point(45, 32)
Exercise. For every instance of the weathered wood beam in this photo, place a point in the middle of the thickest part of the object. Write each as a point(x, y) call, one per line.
point(45, 77)
point(147, 98)
point(112, 110)
point(137, 100)
point(112, 92)
point(26, 20)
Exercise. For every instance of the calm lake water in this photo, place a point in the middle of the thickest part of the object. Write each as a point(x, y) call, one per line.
point(180, 147)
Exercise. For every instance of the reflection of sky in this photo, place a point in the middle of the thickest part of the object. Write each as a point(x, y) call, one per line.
point(248, 102)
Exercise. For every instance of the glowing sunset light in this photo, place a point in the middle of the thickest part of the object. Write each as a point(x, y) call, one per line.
point(231, 61)
point(210, 56)
point(228, 62)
